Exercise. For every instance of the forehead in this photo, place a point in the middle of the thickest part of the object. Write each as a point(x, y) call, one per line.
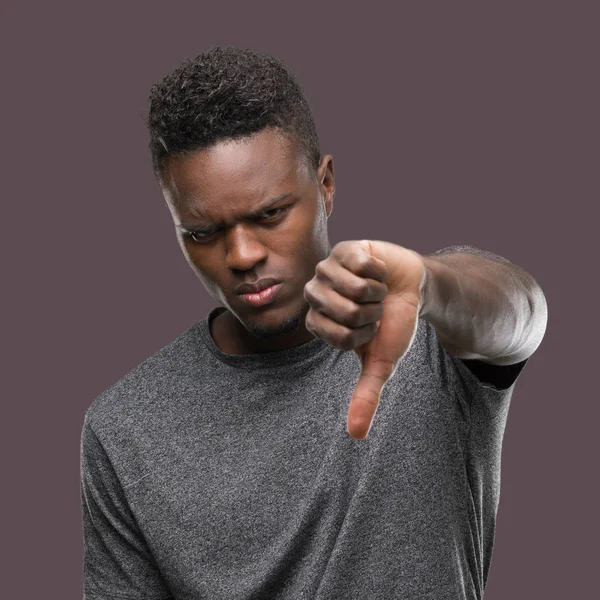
point(243, 171)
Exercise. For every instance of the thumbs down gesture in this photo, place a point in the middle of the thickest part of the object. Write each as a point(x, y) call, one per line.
point(366, 297)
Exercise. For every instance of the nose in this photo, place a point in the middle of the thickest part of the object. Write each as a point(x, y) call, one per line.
point(244, 249)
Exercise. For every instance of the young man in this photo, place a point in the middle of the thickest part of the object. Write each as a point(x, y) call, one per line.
point(235, 461)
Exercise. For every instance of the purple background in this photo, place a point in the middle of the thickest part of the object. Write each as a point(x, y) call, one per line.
point(449, 123)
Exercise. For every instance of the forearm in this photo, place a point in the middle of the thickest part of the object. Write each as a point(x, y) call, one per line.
point(483, 309)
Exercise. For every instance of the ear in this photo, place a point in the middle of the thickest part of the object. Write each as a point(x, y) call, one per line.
point(327, 182)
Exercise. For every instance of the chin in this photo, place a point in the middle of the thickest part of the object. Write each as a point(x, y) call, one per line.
point(267, 327)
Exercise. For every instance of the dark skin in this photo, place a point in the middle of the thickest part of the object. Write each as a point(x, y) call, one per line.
point(235, 178)
point(364, 295)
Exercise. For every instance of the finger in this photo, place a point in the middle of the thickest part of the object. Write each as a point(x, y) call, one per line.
point(336, 335)
point(358, 288)
point(360, 261)
point(327, 301)
point(378, 363)
point(366, 397)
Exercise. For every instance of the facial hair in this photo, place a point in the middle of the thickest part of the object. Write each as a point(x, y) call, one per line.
point(286, 326)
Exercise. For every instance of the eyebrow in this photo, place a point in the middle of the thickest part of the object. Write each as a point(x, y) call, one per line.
point(252, 215)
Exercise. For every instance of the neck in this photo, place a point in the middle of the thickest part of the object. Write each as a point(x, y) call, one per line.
point(231, 337)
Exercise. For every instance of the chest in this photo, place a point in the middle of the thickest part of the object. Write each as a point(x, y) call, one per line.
point(237, 478)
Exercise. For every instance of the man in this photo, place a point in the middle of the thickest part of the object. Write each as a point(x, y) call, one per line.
point(255, 456)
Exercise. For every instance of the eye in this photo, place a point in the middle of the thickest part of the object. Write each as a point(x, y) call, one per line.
point(274, 211)
point(198, 234)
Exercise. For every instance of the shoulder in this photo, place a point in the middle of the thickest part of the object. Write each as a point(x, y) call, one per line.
point(146, 386)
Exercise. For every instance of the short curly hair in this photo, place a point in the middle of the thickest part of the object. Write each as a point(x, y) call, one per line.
point(227, 93)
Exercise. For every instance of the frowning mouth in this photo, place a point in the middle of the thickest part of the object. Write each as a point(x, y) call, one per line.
point(254, 288)
point(264, 296)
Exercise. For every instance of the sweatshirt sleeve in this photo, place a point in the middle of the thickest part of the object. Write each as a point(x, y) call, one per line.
point(117, 562)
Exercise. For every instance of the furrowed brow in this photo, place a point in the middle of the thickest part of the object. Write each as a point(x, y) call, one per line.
point(253, 215)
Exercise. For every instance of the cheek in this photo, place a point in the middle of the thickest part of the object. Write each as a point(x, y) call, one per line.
point(211, 286)
point(306, 231)
point(297, 244)
point(202, 264)
point(303, 251)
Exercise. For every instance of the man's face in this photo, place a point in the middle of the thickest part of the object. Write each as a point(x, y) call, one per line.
point(212, 190)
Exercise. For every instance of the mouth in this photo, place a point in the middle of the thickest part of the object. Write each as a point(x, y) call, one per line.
point(255, 288)
point(264, 296)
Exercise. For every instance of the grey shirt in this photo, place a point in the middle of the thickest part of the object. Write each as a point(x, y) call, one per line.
point(212, 476)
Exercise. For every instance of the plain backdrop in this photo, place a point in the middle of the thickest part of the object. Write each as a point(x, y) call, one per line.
point(449, 123)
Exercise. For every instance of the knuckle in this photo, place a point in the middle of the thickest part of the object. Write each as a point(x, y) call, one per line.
point(346, 340)
point(388, 364)
point(363, 262)
point(354, 314)
point(359, 288)
point(336, 249)
point(321, 268)
point(309, 293)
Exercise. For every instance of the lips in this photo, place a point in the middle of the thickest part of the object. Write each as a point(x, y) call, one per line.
point(253, 288)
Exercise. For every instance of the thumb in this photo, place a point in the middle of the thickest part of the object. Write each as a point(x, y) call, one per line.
point(375, 372)
point(379, 360)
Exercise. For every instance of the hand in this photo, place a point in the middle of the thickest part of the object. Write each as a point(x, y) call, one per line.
point(366, 296)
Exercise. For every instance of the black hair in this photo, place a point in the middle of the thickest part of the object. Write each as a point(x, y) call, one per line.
point(227, 92)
